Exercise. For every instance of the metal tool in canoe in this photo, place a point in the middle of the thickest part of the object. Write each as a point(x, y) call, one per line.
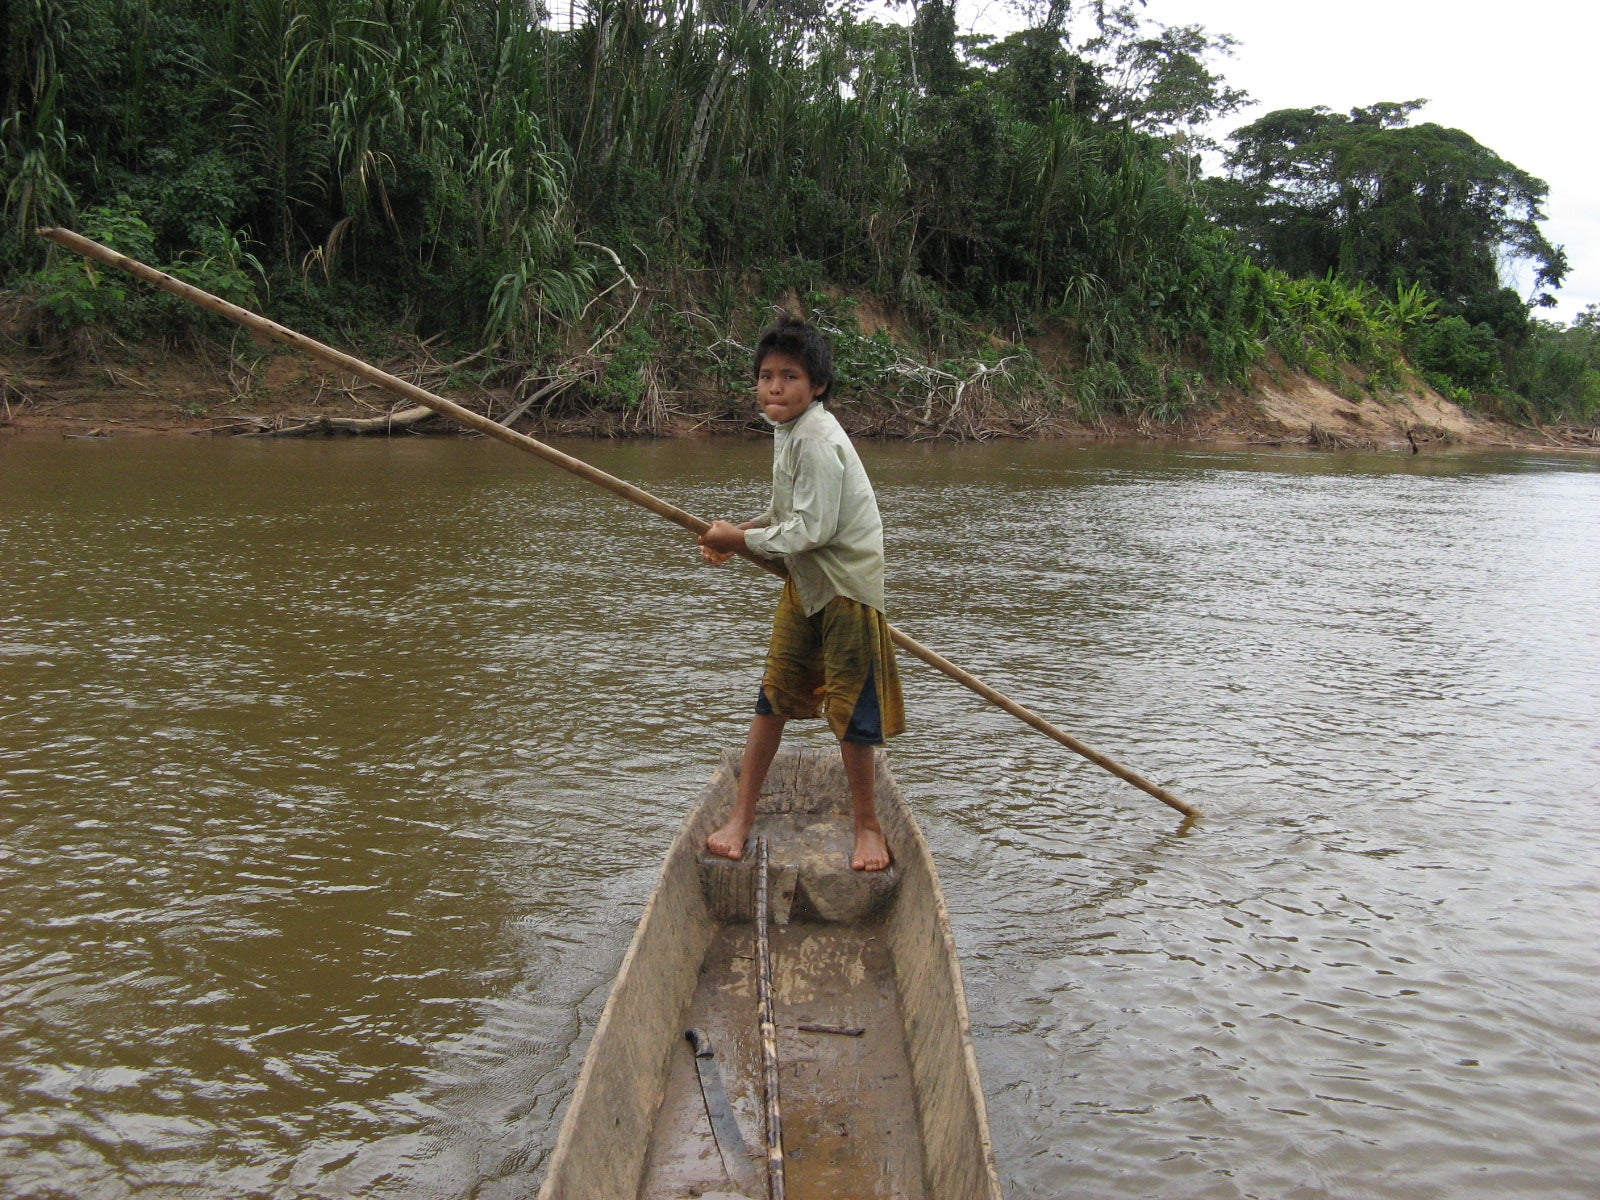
point(736, 1159)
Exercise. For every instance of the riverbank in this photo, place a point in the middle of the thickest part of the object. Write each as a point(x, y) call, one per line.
point(272, 392)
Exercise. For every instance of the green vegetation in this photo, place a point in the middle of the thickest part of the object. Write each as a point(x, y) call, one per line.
point(1558, 369)
point(634, 191)
point(1390, 204)
point(1428, 215)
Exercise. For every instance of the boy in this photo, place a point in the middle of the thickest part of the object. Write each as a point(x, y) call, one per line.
point(831, 654)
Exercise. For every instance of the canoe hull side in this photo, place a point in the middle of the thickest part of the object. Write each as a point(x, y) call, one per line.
point(958, 1152)
point(605, 1136)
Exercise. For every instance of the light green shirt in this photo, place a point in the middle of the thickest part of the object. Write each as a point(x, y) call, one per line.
point(823, 520)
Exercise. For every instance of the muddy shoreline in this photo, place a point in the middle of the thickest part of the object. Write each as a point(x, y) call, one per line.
point(174, 395)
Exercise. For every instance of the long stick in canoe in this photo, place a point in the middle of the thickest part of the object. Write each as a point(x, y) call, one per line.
point(79, 244)
point(769, 1028)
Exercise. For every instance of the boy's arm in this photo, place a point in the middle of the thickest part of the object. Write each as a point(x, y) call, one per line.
point(814, 519)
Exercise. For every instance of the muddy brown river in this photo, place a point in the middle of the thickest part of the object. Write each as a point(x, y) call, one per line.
point(333, 777)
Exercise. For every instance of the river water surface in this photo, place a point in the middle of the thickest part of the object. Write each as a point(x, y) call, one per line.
point(333, 778)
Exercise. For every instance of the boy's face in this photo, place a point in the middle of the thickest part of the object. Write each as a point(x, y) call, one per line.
point(784, 388)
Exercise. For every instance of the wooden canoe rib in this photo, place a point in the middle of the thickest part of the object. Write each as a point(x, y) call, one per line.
point(896, 1112)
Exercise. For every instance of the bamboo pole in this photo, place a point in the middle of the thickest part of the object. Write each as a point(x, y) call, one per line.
point(769, 1028)
point(79, 244)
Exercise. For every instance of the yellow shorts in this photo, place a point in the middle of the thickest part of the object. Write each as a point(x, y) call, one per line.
point(838, 663)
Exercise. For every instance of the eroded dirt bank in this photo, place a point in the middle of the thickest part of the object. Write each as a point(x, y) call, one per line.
point(153, 393)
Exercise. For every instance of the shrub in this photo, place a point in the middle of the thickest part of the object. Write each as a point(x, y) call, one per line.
point(1466, 356)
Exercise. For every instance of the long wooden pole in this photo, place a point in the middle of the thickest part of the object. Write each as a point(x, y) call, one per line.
point(576, 466)
point(768, 1018)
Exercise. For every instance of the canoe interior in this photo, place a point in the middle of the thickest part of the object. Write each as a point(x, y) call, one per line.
point(894, 1113)
point(849, 1115)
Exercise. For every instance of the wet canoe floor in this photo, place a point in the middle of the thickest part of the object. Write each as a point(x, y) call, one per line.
point(849, 1112)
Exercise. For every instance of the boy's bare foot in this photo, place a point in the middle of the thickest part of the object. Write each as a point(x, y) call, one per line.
point(728, 842)
point(872, 852)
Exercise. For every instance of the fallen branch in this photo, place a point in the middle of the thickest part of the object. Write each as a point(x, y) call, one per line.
point(549, 389)
point(1328, 439)
point(388, 423)
point(632, 304)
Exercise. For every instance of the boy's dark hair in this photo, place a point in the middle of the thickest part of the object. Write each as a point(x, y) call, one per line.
point(803, 342)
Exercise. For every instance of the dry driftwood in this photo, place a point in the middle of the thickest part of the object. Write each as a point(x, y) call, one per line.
point(310, 427)
point(405, 418)
point(1328, 439)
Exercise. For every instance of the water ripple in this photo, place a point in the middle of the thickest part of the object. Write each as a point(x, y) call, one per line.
point(334, 779)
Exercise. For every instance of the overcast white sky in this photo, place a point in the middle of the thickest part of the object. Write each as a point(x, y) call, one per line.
point(1520, 78)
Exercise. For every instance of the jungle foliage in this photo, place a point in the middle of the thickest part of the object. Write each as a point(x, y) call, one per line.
point(1557, 369)
point(1369, 198)
point(627, 175)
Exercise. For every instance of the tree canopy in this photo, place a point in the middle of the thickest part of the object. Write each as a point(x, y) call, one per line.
point(1371, 197)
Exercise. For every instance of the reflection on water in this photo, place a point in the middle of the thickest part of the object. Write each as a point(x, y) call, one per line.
point(333, 778)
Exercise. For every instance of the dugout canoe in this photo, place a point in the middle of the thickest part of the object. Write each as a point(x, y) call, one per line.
point(880, 1097)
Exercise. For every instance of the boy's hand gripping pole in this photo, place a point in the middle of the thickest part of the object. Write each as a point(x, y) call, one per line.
point(575, 466)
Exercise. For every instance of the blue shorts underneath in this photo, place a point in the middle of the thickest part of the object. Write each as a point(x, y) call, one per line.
point(866, 721)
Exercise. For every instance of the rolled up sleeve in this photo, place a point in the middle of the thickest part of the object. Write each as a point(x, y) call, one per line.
point(814, 516)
